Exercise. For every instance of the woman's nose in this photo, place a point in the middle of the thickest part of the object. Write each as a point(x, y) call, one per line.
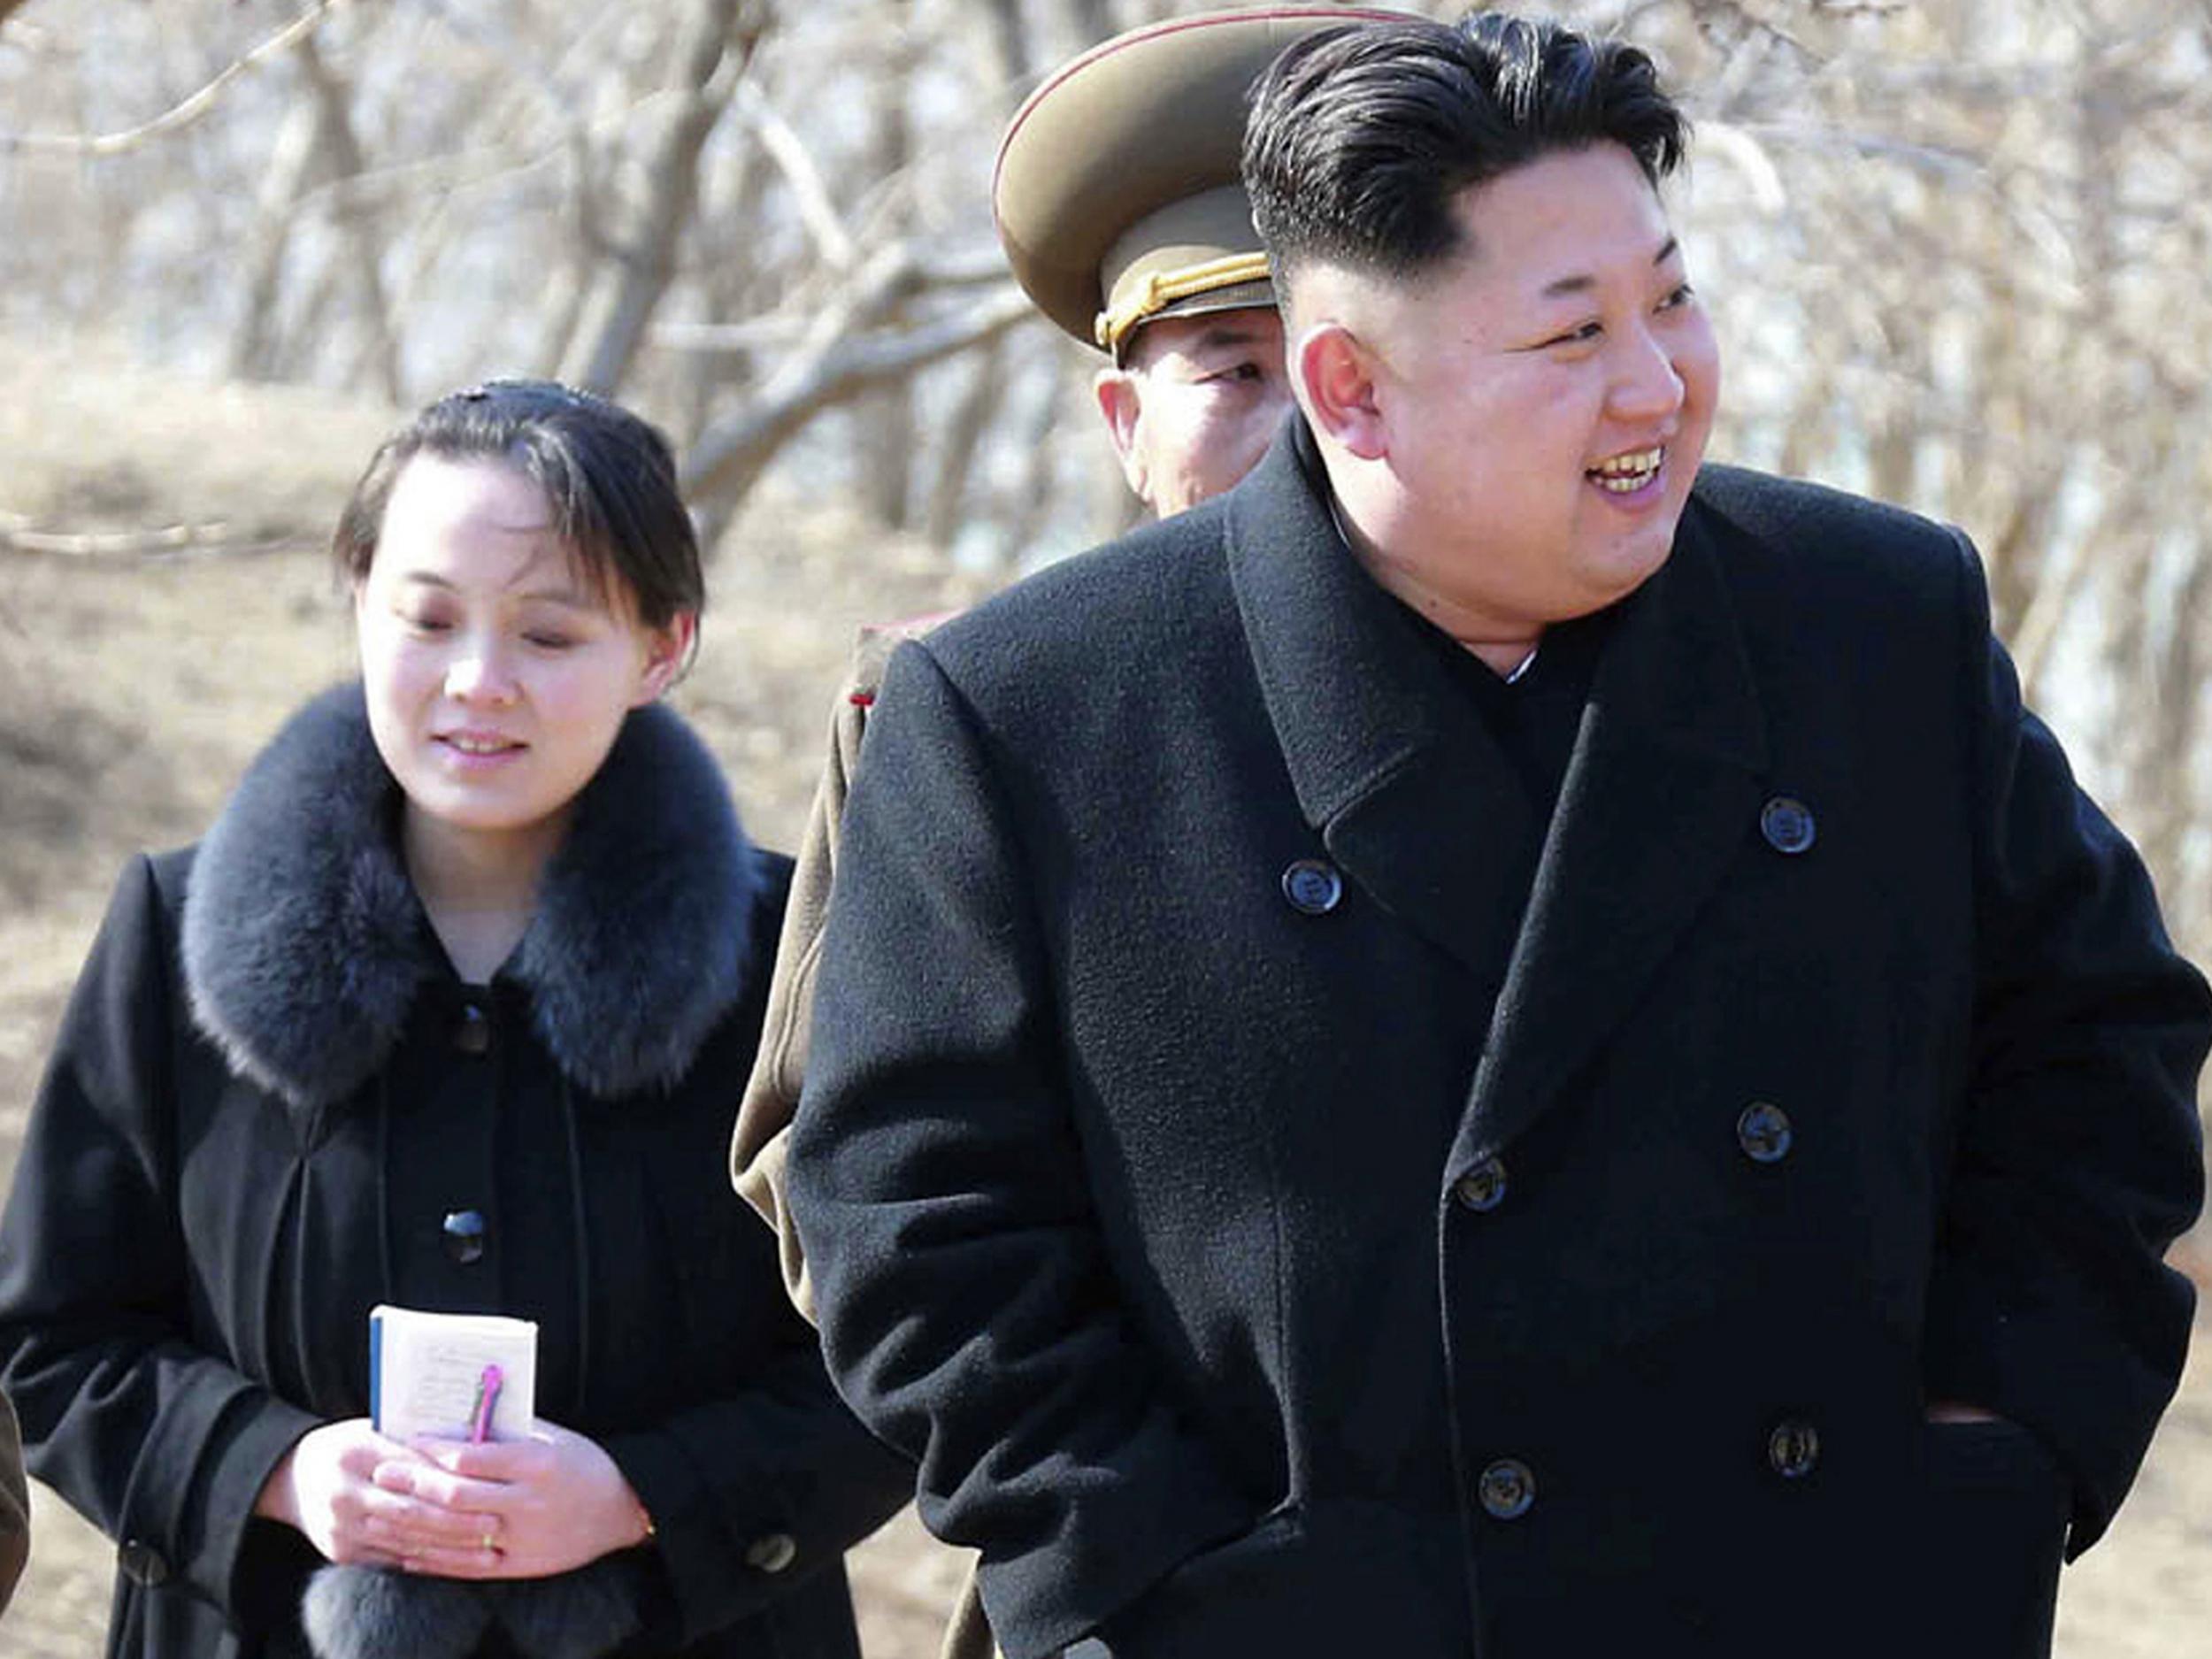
point(479, 673)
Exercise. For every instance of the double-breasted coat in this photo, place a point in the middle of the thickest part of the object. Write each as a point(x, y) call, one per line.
point(273, 1105)
point(1294, 1199)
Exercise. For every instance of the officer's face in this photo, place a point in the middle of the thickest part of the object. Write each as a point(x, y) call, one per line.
point(1538, 407)
point(1196, 406)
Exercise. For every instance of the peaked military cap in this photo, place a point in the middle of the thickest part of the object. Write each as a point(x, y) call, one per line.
point(1116, 192)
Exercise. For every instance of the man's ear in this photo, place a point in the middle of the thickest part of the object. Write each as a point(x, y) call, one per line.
point(1335, 376)
point(1120, 393)
point(666, 656)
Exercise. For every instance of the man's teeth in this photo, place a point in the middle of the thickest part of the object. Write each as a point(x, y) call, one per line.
point(478, 745)
point(1626, 473)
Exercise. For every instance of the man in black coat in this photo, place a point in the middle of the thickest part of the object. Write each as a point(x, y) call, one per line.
point(1494, 1042)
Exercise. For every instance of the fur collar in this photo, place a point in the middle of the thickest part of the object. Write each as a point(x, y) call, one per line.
point(304, 945)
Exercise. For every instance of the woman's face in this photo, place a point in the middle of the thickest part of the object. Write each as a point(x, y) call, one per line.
point(498, 674)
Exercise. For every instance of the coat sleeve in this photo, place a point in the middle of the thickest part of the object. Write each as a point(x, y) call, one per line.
point(967, 1307)
point(750, 1496)
point(15, 1505)
point(164, 1446)
point(2080, 1155)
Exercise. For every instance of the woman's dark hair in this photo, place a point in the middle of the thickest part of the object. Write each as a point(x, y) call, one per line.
point(608, 476)
point(1361, 138)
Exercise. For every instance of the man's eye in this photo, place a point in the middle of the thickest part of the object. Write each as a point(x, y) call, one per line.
point(422, 623)
point(546, 642)
point(1579, 336)
point(1678, 297)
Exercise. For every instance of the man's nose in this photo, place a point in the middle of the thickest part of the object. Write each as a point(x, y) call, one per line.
point(1646, 385)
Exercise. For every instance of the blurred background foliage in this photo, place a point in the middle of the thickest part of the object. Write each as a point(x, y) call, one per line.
point(1954, 250)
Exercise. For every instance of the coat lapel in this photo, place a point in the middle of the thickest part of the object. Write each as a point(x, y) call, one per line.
point(1411, 796)
point(1663, 787)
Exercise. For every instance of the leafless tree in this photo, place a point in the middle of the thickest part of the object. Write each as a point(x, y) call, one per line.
point(1952, 252)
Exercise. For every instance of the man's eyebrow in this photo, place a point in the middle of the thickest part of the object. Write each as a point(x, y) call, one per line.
point(1583, 283)
point(1227, 337)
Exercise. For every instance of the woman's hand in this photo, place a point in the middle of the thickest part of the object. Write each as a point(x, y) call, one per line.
point(536, 1506)
point(325, 1487)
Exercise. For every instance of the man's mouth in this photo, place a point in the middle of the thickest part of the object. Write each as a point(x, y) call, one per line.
point(1625, 474)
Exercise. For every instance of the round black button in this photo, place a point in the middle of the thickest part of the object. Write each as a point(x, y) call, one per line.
point(1507, 1489)
point(1482, 1189)
point(1793, 1448)
point(1763, 1132)
point(472, 1031)
point(771, 1553)
point(1313, 886)
point(1788, 824)
point(142, 1564)
point(465, 1232)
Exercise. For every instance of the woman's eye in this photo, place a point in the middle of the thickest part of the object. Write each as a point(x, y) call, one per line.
point(1679, 297)
point(1580, 336)
point(546, 642)
point(422, 623)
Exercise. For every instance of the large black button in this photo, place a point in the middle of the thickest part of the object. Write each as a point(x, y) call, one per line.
point(1482, 1189)
point(1763, 1132)
point(1313, 886)
point(465, 1232)
point(771, 1553)
point(1788, 824)
point(142, 1564)
point(471, 1030)
point(1507, 1489)
point(1793, 1449)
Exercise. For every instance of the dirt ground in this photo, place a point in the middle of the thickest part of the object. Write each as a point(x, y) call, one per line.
point(131, 691)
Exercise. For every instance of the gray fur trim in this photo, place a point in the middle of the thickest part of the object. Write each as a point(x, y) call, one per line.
point(374, 1613)
point(576, 1614)
point(304, 946)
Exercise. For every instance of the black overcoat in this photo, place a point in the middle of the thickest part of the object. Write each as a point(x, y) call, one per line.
point(273, 1105)
point(1275, 1237)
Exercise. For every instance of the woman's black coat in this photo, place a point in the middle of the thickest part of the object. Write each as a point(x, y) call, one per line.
point(272, 1105)
point(1274, 1240)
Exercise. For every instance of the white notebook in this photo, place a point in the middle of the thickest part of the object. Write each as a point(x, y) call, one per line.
point(440, 1373)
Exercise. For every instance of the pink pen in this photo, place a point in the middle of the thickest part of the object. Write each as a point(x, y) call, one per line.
point(487, 1400)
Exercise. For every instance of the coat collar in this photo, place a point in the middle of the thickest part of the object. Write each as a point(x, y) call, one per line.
point(304, 946)
point(1408, 790)
point(1414, 799)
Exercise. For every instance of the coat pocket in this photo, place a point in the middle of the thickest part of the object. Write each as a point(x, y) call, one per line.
point(1991, 1529)
point(1320, 1580)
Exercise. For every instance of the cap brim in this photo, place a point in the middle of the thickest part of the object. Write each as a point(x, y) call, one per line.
point(1142, 120)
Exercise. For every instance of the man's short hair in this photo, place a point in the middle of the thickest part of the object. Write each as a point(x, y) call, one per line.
point(1360, 139)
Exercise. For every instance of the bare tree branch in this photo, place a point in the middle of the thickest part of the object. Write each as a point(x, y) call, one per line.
point(731, 453)
point(181, 115)
point(164, 541)
point(718, 44)
point(809, 193)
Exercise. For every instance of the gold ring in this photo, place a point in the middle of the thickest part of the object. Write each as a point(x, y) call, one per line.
point(489, 1541)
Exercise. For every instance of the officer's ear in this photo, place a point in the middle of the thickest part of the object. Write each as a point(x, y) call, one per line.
point(1335, 374)
point(1120, 393)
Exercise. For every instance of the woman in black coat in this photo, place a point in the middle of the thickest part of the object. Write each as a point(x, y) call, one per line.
point(446, 1011)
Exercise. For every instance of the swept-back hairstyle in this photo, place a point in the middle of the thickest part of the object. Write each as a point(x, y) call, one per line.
point(608, 476)
point(1360, 138)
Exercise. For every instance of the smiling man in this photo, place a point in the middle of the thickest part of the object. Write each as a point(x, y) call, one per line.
point(1498, 1042)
